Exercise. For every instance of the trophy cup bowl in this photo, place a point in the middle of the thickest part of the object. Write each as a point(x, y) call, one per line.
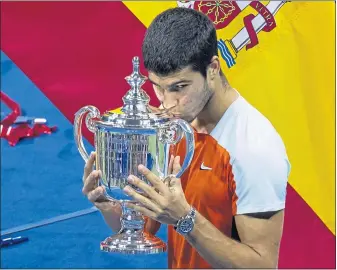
point(122, 142)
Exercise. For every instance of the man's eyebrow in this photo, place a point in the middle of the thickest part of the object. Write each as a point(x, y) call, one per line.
point(173, 84)
point(179, 82)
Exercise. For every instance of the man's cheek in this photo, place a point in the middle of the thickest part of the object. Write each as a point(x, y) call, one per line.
point(185, 101)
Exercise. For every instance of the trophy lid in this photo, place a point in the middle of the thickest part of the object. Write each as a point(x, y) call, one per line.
point(136, 112)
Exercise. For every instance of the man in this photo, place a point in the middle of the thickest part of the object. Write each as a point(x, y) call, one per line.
point(227, 210)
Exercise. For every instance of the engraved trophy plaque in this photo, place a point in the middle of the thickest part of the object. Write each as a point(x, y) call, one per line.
point(122, 142)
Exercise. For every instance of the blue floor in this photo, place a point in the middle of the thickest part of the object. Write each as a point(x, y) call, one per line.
point(40, 179)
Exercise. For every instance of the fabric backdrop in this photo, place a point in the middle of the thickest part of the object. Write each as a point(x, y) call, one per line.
point(280, 55)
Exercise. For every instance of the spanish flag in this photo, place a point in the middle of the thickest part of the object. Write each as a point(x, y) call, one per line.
point(280, 55)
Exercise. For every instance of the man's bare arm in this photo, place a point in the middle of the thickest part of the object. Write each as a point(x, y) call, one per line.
point(259, 246)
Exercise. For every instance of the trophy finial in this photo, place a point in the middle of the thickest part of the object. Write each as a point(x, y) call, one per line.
point(135, 62)
point(135, 100)
point(136, 79)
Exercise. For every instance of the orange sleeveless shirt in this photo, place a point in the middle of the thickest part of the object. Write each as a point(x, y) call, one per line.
point(209, 187)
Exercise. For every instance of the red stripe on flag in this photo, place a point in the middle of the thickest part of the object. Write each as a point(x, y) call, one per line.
point(306, 242)
point(78, 53)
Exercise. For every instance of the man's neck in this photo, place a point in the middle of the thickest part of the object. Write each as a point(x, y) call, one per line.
point(209, 117)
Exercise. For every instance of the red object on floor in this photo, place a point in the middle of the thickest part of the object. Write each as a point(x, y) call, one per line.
point(13, 133)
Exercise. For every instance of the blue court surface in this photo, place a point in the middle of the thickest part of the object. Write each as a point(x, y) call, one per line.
point(41, 179)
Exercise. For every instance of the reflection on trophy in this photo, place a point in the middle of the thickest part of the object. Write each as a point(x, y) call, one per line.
point(122, 142)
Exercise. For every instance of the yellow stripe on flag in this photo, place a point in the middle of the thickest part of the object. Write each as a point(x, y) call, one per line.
point(290, 77)
point(117, 111)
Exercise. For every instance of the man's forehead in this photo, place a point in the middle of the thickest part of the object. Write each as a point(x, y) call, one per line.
point(184, 74)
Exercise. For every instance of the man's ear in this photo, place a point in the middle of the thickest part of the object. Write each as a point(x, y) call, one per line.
point(213, 69)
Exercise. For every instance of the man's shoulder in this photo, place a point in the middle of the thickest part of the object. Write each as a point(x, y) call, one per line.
point(248, 130)
point(252, 120)
point(258, 149)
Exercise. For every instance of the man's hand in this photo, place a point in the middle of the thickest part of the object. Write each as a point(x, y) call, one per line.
point(111, 210)
point(164, 202)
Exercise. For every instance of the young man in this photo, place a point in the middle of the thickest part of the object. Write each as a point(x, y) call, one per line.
point(227, 210)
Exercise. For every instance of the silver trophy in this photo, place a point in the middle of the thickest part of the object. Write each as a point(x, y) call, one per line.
point(122, 142)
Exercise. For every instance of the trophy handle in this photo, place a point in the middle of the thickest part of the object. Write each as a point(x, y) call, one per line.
point(93, 112)
point(190, 144)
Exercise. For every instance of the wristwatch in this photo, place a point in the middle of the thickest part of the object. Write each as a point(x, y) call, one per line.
point(186, 223)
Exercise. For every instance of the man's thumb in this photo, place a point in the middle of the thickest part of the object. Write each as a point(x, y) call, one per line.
point(176, 165)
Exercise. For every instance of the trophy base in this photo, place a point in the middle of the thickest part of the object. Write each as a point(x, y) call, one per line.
point(134, 243)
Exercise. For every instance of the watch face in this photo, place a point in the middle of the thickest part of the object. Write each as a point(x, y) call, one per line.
point(186, 225)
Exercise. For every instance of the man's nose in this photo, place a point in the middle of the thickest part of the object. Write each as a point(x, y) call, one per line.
point(167, 99)
point(169, 105)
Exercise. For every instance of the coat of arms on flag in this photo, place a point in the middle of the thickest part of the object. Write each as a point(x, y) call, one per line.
point(222, 13)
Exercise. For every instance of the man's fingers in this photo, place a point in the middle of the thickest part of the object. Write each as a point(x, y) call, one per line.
point(149, 191)
point(174, 165)
point(174, 182)
point(109, 206)
point(89, 166)
point(141, 199)
point(146, 212)
point(95, 194)
point(91, 182)
point(103, 198)
point(156, 182)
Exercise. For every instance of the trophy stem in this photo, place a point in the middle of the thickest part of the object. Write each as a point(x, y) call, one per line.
point(131, 220)
point(132, 239)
